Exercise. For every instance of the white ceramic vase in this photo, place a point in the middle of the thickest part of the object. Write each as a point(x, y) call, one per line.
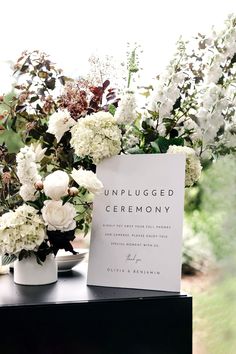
point(29, 272)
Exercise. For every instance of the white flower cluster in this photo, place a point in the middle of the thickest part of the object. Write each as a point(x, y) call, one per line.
point(126, 110)
point(96, 136)
point(213, 77)
point(212, 102)
point(203, 75)
point(88, 180)
point(21, 229)
point(59, 123)
point(166, 92)
point(222, 47)
point(27, 170)
point(194, 131)
point(193, 166)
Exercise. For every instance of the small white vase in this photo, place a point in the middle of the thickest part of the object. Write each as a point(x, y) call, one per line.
point(29, 272)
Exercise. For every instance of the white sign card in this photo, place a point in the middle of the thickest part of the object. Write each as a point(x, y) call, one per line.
point(137, 223)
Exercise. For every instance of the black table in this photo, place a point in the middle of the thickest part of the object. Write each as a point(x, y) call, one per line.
point(69, 317)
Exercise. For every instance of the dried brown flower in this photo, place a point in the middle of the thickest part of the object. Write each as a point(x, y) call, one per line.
point(1, 127)
point(23, 97)
point(48, 104)
point(6, 177)
point(74, 100)
point(30, 126)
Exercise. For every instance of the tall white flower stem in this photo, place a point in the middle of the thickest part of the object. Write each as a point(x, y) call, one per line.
point(132, 65)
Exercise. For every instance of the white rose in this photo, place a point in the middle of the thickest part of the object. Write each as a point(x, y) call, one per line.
point(59, 123)
point(58, 216)
point(56, 185)
point(88, 180)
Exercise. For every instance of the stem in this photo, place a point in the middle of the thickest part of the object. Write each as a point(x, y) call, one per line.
point(129, 79)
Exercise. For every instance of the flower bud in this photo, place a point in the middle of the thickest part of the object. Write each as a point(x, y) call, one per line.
point(73, 191)
point(38, 185)
point(6, 177)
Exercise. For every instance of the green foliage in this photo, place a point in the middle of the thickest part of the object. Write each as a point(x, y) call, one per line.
point(215, 316)
point(7, 259)
point(12, 140)
point(211, 206)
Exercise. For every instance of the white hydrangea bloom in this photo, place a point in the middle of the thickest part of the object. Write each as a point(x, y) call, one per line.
point(96, 136)
point(59, 123)
point(193, 166)
point(58, 216)
point(28, 192)
point(125, 112)
point(21, 229)
point(88, 180)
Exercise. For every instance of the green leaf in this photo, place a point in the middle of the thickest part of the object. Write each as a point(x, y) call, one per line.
point(39, 261)
point(62, 80)
point(33, 99)
point(43, 74)
point(165, 143)
point(39, 108)
point(112, 109)
point(24, 68)
point(144, 124)
point(20, 108)
point(24, 254)
point(7, 259)
point(135, 150)
point(155, 147)
point(173, 133)
point(86, 229)
point(177, 103)
point(51, 83)
point(80, 224)
point(177, 141)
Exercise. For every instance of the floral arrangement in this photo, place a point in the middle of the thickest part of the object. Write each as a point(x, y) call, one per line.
point(191, 106)
point(66, 127)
